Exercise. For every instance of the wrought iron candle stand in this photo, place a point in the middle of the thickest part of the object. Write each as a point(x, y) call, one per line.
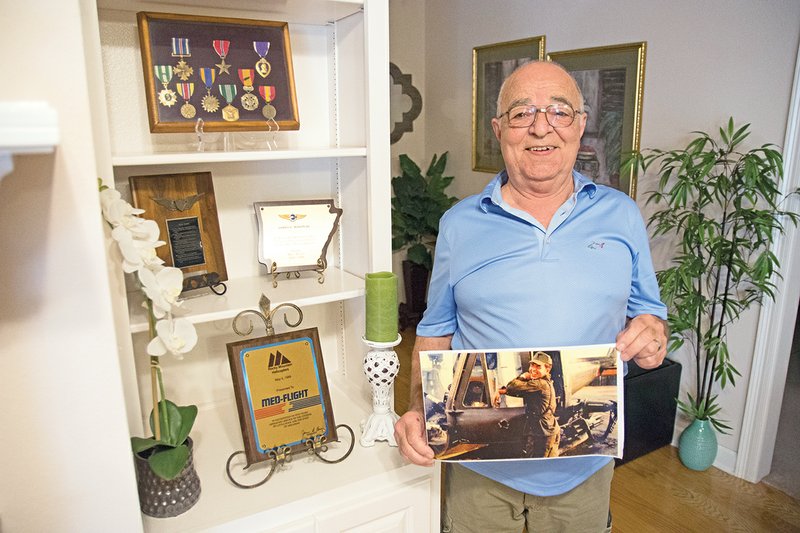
point(281, 455)
point(380, 366)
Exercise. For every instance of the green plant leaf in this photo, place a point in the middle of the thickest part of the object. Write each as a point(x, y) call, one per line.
point(168, 463)
point(181, 420)
point(139, 444)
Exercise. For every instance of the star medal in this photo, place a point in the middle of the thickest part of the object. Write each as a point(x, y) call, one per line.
point(166, 96)
point(221, 48)
point(249, 100)
point(229, 112)
point(186, 90)
point(262, 65)
point(209, 103)
point(267, 92)
point(180, 48)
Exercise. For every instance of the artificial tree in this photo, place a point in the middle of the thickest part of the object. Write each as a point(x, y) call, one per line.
point(724, 206)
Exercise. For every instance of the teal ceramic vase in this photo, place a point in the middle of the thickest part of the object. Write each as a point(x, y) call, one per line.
point(697, 447)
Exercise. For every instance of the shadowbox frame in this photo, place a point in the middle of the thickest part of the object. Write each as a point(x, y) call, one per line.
point(156, 31)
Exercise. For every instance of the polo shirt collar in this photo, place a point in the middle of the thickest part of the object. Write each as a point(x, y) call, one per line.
point(491, 193)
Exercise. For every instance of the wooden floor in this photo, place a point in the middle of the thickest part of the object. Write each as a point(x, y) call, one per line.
point(656, 493)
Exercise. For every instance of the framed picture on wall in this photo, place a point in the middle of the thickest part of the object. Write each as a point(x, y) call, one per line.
point(491, 64)
point(611, 79)
point(234, 74)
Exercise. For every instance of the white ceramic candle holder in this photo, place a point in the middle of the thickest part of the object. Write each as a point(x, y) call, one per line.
point(380, 366)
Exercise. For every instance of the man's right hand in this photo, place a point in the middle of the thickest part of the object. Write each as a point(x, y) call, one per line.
point(409, 432)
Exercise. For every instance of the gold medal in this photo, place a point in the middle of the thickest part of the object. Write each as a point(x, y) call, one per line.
point(180, 48)
point(209, 103)
point(249, 101)
point(188, 110)
point(230, 113)
point(183, 70)
point(262, 65)
point(186, 90)
point(167, 97)
point(267, 92)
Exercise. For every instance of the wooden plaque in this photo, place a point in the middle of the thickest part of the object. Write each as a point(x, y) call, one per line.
point(281, 392)
point(184, 207)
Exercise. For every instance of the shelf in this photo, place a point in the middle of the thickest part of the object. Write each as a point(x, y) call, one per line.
point(293, 489)
point(179, 158)
point(294, 11)
point(244, 294)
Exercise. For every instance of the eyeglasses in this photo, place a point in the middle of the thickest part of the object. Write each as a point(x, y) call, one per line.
point(557, 115)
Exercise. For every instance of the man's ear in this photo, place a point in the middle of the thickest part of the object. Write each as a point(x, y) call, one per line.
point(496, 128)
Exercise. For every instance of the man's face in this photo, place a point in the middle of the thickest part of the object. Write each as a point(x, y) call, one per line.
point(540, 153)
point(537, 370)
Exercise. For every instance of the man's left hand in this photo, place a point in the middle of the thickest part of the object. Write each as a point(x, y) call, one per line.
point(644, 340)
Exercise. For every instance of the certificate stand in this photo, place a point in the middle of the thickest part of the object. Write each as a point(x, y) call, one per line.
point(280, 455)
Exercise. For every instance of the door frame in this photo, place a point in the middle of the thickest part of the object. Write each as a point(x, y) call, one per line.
point(773, 346)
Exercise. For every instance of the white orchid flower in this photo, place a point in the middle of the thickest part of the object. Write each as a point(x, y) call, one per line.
point(176, 336)
point(162, 286)
point(136, 253)
point(118, 212)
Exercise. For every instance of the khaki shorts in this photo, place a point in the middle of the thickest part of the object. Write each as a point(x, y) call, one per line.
point(476, 504)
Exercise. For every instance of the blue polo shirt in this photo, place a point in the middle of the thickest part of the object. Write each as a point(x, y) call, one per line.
point(500, 280)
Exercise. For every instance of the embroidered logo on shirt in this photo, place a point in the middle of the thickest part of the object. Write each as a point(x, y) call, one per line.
point(597, 245)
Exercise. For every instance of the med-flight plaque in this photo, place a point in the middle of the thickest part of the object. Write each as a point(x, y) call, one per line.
point(282, 393)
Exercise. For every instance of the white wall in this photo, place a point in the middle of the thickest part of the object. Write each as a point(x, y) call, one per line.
point(66, 460)
point(407, 51)
point(705, 62)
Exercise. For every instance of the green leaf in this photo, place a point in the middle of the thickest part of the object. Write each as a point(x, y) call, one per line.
point(139, 444)
point(180, 421)
point(168, 463)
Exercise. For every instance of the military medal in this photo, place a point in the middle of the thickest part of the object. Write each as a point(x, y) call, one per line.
point(166, 96)
point(267, 92)
point(180, 48)
point(186, 90)
point(262, 65)
point(209, 103)
point(221, 48)
point(229, 112)
point(249, 100)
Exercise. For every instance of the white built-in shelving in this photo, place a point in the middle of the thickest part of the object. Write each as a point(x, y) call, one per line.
point(341, 151)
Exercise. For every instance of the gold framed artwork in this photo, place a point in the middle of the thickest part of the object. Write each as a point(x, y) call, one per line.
point(184, 207)
point(282, 394)
point(234, 74)
point(612, 81)
point(491, 64)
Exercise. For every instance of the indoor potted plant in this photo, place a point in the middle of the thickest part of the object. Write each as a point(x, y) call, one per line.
point(724, 206)
point(168, 483)
point(417, 205)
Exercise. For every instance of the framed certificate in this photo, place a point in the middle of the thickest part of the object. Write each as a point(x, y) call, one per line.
point(294, 236)
point(281, 392)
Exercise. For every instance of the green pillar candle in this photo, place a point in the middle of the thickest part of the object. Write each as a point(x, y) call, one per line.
point(381, 307)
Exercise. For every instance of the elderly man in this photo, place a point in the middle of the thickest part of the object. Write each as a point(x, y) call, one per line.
point(542, 257)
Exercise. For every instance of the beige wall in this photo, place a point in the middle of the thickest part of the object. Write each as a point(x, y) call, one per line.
point(64, 440)
point(705, 62)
